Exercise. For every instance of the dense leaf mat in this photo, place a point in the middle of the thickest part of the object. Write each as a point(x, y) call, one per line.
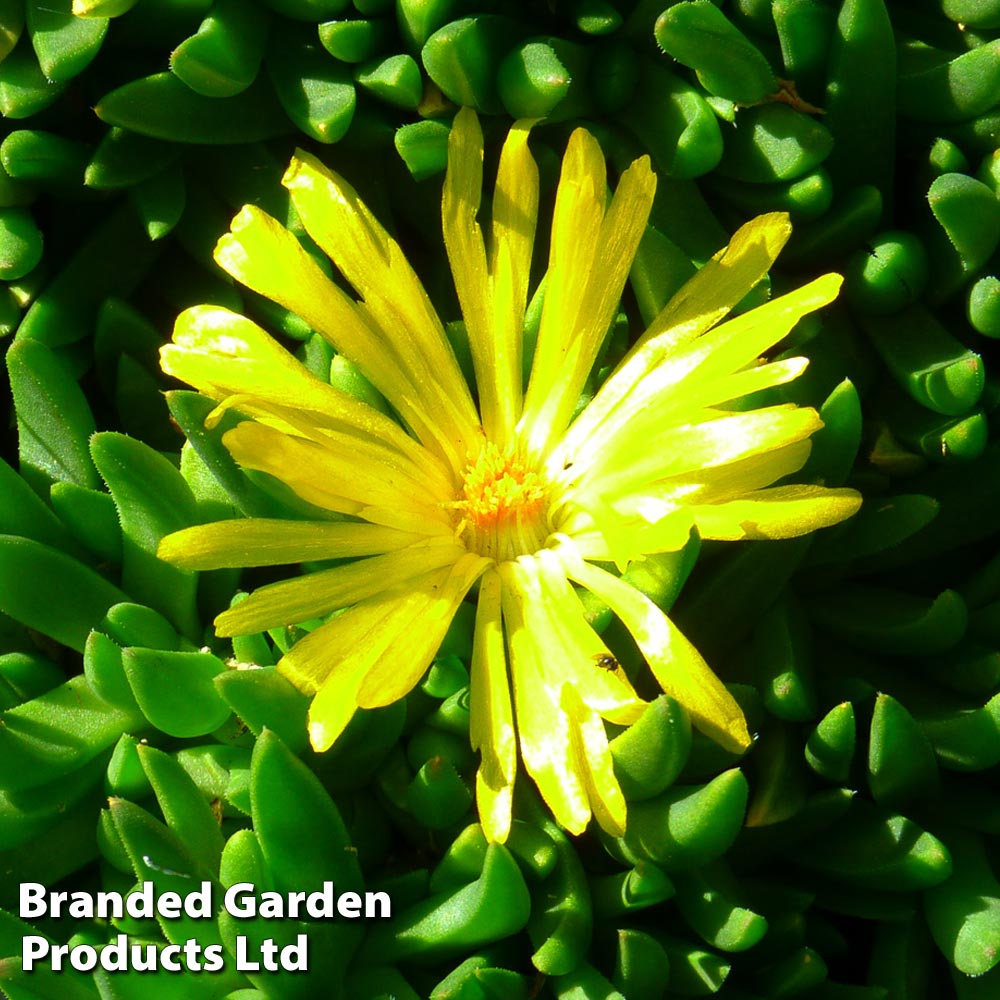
point(851, 854)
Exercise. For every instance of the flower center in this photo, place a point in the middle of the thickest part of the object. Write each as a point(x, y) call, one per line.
point(503, 506)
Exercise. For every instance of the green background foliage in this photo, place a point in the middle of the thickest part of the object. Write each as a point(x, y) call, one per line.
point(851, 855)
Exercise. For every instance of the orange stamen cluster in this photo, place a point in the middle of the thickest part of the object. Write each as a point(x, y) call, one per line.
point(502, 510)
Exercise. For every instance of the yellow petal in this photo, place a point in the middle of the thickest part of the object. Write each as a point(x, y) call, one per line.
point(495, 804)
point(341, 693)
point(400, 667)
point(223, 354)
point(740, 341)
point(335, 481)
point(590, 743)
point(394, 299)
point(273, 542)
point(463, 240)
point(543, 728)
point(729, 482)
point(491, 723)
point(575, 646)
point(620, 542)
point(515, 215)
point(688, 450)
point(590, 259)
point(333, 707)
point(261, 254)
point(415, 521)
point(334, 651)
point(220, 352)
point(333, 660)
point(742, 383)
point(650, 407)
point(722, 282)
point(491, 291)
point(651, 373)
point(576, 228)
point(653, 525)
point(305, 597)
point(675, 663)
point(264, 256)
point(780, 512)
point(402, 462)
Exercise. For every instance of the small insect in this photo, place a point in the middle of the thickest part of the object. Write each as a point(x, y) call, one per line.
point(605, 661)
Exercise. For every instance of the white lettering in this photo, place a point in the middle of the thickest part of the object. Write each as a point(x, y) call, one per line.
point(110, 905)
point(319, 905)
point(199, 904)
point(83, 957)
point(271, 958)
point(384, 905)
point(239, 902)
point(143, 957)
point(213, 960)
point(115, 956)
point(120, 956)
point(33, 948)
point(295, 957)
point(168, 958)
point(139, 904)
point(268, 952)
point(31, 901)
point(243, 963)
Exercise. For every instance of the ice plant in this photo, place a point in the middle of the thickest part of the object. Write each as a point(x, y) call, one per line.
point(501, 486)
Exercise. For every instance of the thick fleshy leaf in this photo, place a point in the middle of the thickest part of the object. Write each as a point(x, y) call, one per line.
point(301, 831)
point(51, 592)
point(152, 500)
point(54, 420)
point(175, 690)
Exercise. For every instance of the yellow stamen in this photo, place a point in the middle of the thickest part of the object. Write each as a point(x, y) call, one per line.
point(503, 506)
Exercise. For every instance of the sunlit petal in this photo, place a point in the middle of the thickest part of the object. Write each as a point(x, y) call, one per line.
point(331, 589)
point(676, 664)
point(399, 668)
point(395, 304)
point(491, 723)
point(590, 256)
point(780, 512)
point(543, 727)
point(590, 743)
point(273, 542)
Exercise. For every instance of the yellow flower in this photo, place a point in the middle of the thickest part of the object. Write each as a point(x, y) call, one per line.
point(508, 486)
